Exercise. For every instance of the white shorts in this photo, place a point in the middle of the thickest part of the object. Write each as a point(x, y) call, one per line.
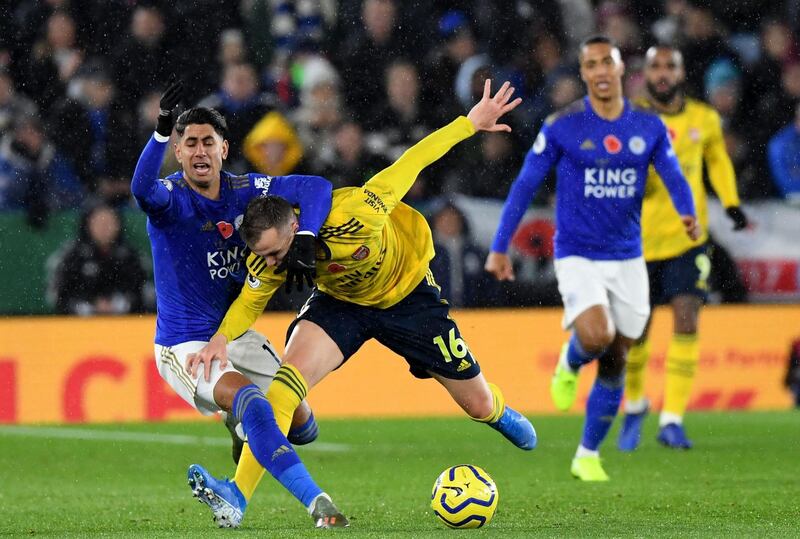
point(620, 285)
point(251, 355)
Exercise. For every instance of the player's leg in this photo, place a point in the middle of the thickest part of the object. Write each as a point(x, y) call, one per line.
point(636, 404)
point(586, 313)
point(683, 355)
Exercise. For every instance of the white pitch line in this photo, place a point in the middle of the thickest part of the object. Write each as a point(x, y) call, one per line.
point(142, 437)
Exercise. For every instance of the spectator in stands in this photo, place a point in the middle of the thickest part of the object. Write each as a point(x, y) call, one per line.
point(320, 110)
point(703, 45)
point(397, 122)
point(94, 129)
point(458, 266)
point(273, 147)
point(54, 60)
point(99, 273)
point(488, 170)
point(12, 104)
point(352, 163)
point(784, 160)
point(243, 103)
point(142, 59)
point(34, 175)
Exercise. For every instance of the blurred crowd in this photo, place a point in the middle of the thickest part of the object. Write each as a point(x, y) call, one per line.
point(341, 88)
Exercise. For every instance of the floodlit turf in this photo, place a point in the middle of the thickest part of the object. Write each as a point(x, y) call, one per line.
point(742, 479)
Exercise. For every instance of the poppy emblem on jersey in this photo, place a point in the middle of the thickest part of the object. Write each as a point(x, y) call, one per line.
point(672, 134)
point(333, 267)
point(636, 145)
point(225, 228)
point(612, 144)
point(361, 253)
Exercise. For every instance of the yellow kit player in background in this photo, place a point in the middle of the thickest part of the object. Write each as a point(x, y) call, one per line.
point(374, 281)
point(678, 267)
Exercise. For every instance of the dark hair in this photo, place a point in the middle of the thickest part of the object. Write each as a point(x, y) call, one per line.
point(263, 213)
point(202, 115)
point(596, 39)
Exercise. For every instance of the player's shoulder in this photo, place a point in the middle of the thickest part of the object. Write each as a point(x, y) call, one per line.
point(701, 109)
point(252, 180)
point(642, 109)
point(175, 182)
point(575, 108)
point(255, 264)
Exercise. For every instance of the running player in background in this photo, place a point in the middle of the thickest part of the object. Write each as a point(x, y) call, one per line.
point(601, 147)
point(677, 266)
point(374, 281)
point(198, 259)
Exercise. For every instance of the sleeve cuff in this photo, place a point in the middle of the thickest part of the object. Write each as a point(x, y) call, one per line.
point(160, 138)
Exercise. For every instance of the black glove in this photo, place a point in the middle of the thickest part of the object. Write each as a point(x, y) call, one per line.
point(737, 216)
point(169, 100)
point(300, 262)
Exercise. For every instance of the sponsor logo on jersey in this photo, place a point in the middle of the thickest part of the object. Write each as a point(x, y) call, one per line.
point(253, 281)
point(225, 228)
point(333, 267)
point(262, 182)
point(636, 145)
point(238, 221)
point(361, 253)
point(609, 182)
point(539, 144)
point(587, 144)
point(222, 263)
point(612, 144)
point(375, 202)
point(168, 184)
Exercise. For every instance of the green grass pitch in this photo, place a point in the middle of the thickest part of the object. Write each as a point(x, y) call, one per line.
point(742, 479)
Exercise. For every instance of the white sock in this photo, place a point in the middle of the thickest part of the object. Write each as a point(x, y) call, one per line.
point(666, 418)
point(565, 364)
point(637, 406)
point(583, 452)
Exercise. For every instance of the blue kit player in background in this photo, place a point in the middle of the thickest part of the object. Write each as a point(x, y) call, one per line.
point(601, 147)
point(198, 260)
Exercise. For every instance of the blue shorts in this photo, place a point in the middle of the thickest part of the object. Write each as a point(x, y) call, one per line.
point(685, 274)
point(418, 328)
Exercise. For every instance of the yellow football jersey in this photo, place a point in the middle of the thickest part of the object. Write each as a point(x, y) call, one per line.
point(696, 135)
point(372, 249)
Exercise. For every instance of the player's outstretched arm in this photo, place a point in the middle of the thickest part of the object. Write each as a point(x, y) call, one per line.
point(149, 192)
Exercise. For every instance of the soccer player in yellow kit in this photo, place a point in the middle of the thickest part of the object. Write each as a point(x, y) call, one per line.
point(373, 281)
point(678, 267)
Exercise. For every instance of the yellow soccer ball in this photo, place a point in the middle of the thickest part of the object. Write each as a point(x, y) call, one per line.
point(464, 496)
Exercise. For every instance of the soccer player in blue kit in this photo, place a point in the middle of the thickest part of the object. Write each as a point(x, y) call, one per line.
point(601, 147)
point(199, 266)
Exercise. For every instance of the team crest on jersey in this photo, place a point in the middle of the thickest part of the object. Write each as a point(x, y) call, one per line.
point(238, 221)
point(333, 267)
point(636, 145)
point(262, 182)
point(361, 253)
point(168, 184)
point(253, 282)
point(225, 228)
point(612, 144)
point(539, 144)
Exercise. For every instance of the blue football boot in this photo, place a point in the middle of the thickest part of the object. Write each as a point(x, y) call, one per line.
point(672, 435)
point(222, 496)
point(516, 428)
point(631, 432)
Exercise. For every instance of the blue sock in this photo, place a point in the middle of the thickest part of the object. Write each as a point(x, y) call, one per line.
point(305, 433)
point(577, 357)
point(601, 408)
point(270, 447)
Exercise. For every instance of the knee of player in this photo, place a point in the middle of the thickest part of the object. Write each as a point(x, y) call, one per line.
point(596, 340)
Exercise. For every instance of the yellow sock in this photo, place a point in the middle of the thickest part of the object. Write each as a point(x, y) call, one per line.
point(248, 473)
point(285, 394)
point(498, 407)
point(635, 365)
point(683, 355)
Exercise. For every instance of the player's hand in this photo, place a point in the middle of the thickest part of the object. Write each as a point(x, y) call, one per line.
point(217, 348)
point(300, 263)
point(737, 216)
point(488, 110)
point(169, 100)
point(692, 227)
point(499, 265)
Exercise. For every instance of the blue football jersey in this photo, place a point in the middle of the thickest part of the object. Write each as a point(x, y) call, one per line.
point(198, 256)
point(601, 170)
